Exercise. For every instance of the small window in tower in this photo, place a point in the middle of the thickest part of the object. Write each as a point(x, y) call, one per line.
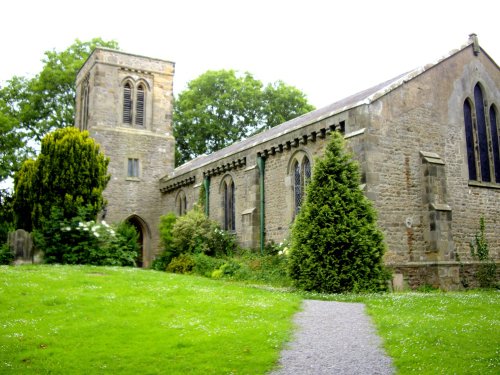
point(127, 104)
point(133, 168)
point(139, 113)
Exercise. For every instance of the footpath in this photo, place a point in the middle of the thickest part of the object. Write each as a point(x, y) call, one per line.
point(334, 338)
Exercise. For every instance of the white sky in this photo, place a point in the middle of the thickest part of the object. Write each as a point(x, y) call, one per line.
point(327, 49)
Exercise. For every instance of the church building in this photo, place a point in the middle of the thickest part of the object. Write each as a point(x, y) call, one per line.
point(427, 142)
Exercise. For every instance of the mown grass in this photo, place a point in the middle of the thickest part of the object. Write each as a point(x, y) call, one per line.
point(82, 319)
point(437, 333)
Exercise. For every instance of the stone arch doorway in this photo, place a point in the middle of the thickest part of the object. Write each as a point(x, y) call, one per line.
point(144, 239)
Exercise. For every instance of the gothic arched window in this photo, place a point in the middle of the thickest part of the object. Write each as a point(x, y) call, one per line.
point(301, 176)
point(139, 107)
point(495, 142)
point(481, 138)
point(229, 204)
point(127, 103)
point(181, 203)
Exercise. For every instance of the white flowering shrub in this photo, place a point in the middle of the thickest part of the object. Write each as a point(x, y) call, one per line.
point(78, 241)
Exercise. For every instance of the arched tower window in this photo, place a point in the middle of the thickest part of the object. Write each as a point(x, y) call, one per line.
point(229, 204)
point(481, 137)
point(127, 103)
point(301, 177)
point(139, 110)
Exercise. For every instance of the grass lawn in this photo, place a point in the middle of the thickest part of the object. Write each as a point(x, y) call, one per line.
point(438, 333)
point(82, 319)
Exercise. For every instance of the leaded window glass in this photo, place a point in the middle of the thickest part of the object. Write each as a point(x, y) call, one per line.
point(229, 205)
point(494, 142)
point(481, 138)
point(297, 187)
point(469, 138)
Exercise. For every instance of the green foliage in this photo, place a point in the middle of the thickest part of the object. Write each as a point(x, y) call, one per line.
point(6, 215)
point(195, 233)
point(479, 249)
point(283, 103)
point(221, 107)
point(167, 240)
point(6, 254)
point(205, 265)
point(80, 241)
point(184, 263)
point(32, 107)
point(69, 173)
point(336, 245)
point(11, 142)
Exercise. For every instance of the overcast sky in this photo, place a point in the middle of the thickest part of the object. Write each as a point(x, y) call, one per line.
point(327, 49)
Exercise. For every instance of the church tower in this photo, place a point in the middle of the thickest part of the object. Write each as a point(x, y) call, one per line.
point(125, 102)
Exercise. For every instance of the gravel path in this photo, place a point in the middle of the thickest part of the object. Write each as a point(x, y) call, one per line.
point(334, 338)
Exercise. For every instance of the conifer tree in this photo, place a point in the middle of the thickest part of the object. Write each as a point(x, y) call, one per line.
point(335, 243)
point(70, 173)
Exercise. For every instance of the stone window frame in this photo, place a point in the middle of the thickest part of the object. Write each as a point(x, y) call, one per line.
point(138, 97)
point(181, 203)
point(300, 167)
point(227, 190)
point(133, 169)
point(481, 137)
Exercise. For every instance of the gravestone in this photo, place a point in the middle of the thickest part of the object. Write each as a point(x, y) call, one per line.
point(21, 244)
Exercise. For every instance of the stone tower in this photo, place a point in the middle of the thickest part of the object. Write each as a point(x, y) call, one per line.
point(125, 102)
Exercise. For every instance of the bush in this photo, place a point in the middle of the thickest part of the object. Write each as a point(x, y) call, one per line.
point(80, 241)
point(184, 263)
point(195, 233)
point(6, 254)
point(205, 265)
point(336, 245)
point(479, 250)
point(167, 223)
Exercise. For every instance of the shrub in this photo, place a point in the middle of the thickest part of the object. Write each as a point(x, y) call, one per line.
point(205, 265)
point(336, 245)
point(195, 233)
point(184, 263)
point(70, 172)
point(6, 254)
point(167, 223)
point(479, 249)
point(80, 241)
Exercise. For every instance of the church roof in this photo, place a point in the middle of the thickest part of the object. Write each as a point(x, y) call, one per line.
point(361, 98)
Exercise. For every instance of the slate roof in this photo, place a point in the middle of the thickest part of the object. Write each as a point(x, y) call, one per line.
point(363, 97)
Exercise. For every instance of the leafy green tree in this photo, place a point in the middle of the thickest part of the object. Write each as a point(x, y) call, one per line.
point(221, 107)
point(336, 245)
point(24, 195)
point(69, 173)
point(6, 215)
point(283, 103)
point(11, 142)
point(32, 107)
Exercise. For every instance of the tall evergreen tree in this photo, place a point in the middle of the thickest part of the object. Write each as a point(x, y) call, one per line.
point(70, 173)
point(336, 245)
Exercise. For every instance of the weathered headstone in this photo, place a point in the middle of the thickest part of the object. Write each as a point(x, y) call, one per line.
point(21, 244)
